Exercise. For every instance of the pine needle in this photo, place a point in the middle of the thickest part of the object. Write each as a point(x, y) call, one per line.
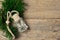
point(9, 5)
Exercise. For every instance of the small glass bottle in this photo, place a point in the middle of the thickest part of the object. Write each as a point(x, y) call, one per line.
point(18, 22)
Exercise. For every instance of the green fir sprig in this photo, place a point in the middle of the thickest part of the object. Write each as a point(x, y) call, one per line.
point(9, 5)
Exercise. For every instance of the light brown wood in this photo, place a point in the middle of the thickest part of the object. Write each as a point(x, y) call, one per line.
point(42, 9)
point(41, 29)
point(43, 14)
point(43, 18)
point(47, 29)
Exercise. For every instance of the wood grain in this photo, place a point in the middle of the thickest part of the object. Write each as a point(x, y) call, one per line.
point(43, 14)
point(43, 18)
point(42, 9)
point(42, 29)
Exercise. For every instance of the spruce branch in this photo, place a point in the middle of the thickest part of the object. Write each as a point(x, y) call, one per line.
point(9, 5)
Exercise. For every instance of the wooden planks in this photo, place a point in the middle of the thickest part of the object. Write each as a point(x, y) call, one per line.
point(42, 9)
point(42, 14)
point(43, 18)
point(42, 29)
point(44, 24)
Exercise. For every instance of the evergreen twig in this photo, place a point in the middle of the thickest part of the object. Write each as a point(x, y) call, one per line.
point(9, 5)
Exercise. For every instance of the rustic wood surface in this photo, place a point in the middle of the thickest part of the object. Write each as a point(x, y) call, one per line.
point(43, 18)
point(43, 9)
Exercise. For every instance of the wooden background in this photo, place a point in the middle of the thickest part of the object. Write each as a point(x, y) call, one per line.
point(43, 18)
